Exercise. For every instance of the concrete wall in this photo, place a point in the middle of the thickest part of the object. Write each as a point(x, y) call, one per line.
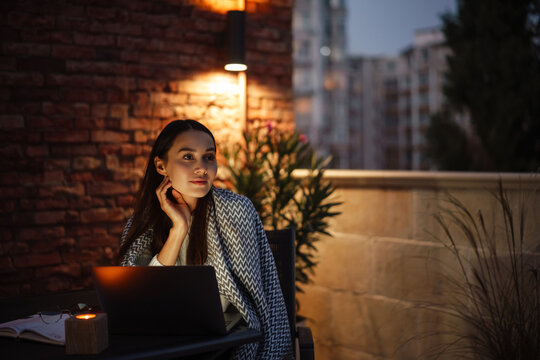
point(384, 261)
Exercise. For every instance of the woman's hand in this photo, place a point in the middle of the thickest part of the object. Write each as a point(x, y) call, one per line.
point(178, 211)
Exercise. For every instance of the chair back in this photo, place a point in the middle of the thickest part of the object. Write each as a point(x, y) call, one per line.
point(282, 243)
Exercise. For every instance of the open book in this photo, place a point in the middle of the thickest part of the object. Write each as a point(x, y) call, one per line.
point(33, 328)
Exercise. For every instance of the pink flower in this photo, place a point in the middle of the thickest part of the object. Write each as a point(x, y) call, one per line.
point(303, 138)
point(269, 126)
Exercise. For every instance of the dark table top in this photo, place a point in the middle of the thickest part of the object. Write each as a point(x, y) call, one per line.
point(120, 346)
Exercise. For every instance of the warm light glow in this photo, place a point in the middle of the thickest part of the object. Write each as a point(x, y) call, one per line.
point(86, 316)
point(235, 67)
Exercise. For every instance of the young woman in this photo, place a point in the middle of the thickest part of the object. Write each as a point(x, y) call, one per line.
point(180, 218)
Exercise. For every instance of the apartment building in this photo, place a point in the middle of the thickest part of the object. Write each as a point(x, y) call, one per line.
point(391, 100)
point(320, 77)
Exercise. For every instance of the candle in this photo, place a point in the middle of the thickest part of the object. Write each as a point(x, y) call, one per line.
point(86, 334)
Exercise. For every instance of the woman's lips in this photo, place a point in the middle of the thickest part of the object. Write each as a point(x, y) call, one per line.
point(199, 182)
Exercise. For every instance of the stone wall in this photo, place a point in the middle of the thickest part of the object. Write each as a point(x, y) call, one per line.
point(384, 263)
point(85, 86)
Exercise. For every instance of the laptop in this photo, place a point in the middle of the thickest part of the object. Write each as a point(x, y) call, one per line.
point(162, 300)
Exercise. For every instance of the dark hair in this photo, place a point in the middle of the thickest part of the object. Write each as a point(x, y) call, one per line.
point(148, 213)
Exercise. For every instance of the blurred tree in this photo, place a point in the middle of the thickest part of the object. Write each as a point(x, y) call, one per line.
point(493, 76)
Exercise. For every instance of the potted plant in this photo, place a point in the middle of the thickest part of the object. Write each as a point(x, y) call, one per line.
point(262, 168)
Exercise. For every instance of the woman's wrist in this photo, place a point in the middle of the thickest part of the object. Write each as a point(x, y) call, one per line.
point(170, 250)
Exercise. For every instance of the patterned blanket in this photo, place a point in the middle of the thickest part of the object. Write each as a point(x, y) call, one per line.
point(245, 271)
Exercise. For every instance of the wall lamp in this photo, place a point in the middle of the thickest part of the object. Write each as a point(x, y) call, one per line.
point(235, 41)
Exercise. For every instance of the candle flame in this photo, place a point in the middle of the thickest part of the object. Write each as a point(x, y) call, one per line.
point(86, 316)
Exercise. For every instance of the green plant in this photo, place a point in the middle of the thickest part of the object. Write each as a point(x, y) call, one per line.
point(262, 168)
point(497, 290)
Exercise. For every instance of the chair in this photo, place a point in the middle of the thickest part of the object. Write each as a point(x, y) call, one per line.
point(282, 243)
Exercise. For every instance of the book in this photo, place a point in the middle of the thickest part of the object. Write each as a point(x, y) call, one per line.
point(33, 328)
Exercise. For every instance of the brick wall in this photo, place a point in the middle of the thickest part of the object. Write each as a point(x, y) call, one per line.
point(85, 86)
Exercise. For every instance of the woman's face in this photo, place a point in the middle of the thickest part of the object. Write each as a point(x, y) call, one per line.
point(190, 164)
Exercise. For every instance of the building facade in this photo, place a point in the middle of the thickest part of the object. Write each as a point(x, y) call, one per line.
point(391, 100)
point(320, 77)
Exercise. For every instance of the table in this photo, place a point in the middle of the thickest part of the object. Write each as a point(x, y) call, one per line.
point(121, 347)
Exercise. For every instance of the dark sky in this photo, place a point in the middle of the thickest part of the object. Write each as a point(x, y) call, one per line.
point(384, 27)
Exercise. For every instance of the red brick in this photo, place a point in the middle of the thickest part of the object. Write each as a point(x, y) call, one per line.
point(44, 65)
point(151, 85)
point(54, 109)
point(102, 13)
point(21, 79)
point(142, 110)
point(111, 162)
point(80, 177)
point(49, 245)
point(95, 67)
point(68, 80)
point(49, 217)
point(27, 20)
point(16, 248)
point(102, 215)
point(72, 52)
point(53, 284)
point(159, 59)
point(119, 110)
point(23, 93)
point(7, 206)
point(5, 94)
point(9, 34)
point(98, 241)
point(117, 96)
point(200, 38)
point(93, 40)
point(97, 123)
point(139, 70)
point(141, 137)
point(116, 82)
point(107, 188)
point(73, 150)
point(76, 189)
point(81, 95)
point(105, 149)
point(30, 178)
point(86, 163)
point(33, 260)
point(10, 192)
point(132, 43)
point(37, 151)
point(48, 122)
point(123, 28)
point(36, 233)
point(71, 136)
point(109, 136)
point(100, 110)
point(6, 264)
point(72, 269)
point(125, 200)
point(51, 177)
point(13, 151)
point(27, 49)
point(134, 149)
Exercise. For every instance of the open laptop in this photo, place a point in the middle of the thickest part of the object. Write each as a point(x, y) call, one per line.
point(162, 300)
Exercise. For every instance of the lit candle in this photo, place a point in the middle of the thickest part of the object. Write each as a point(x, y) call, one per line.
point(86, 316)
point(86, 334)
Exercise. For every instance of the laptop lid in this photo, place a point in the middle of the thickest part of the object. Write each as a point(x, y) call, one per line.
point(181, 300)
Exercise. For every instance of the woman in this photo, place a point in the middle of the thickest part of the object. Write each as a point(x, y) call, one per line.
point(180, 218)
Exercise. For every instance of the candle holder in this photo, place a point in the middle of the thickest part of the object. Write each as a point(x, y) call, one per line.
point(87, 334)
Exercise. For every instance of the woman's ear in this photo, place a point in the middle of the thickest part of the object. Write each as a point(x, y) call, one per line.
point(160, 166)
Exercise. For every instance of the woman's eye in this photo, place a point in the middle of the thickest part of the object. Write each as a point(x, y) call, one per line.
point(187, 157)
point(210, 157)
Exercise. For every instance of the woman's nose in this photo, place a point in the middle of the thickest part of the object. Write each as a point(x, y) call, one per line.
point(201, 170)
